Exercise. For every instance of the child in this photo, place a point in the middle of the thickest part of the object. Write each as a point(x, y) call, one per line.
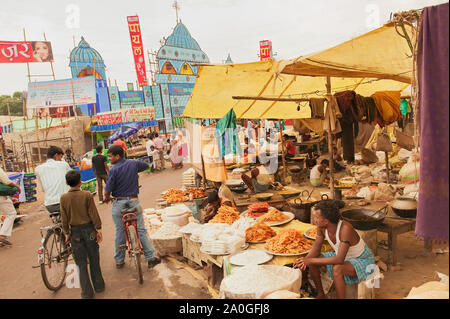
point(82, 224)
point(155, 155)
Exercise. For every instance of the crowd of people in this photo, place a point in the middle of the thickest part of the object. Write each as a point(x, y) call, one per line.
point(81, 223)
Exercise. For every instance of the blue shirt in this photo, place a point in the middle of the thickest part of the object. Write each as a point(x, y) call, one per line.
point(123, 178)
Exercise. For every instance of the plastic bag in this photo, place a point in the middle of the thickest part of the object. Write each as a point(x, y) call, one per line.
point(410, 172)
point(257, 282)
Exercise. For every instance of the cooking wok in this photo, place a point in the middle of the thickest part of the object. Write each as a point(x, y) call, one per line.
point(365, 219)
point(239, 188)
point(405, 207)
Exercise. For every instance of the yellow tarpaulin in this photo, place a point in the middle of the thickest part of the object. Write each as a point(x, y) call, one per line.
point(376, 61)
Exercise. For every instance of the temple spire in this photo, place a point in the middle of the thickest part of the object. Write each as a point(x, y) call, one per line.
point(177, 8)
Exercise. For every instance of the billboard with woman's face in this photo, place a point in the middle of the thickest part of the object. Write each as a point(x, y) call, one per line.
point(25, 51)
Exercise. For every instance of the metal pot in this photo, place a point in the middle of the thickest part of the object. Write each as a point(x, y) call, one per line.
point(405, 207)
point(364, 219)
point(301, 209)
point(239, 189)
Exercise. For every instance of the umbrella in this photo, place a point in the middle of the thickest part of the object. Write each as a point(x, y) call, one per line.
point(125, 130)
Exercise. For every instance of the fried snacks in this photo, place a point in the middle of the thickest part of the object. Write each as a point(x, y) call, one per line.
point(259, 232)
point(273, 216)
point(225, 214)
point(288, 241)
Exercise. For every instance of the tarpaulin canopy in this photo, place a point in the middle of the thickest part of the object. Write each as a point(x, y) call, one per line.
point(376, 61)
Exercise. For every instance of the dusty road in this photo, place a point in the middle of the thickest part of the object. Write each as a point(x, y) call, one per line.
point(167, 280)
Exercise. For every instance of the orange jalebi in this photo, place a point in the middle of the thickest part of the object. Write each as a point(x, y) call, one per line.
point(175, 195)
point(225, 214)
point(273, 216)
point(259, 232)
point(312, 232)
point(196, 192)
point(288, 241)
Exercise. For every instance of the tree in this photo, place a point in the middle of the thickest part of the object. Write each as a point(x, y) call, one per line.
point(15, 104)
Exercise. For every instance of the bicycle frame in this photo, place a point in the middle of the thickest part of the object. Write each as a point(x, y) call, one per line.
point(129, 218)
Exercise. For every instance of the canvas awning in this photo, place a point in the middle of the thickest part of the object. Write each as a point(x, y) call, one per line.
point(375, 61)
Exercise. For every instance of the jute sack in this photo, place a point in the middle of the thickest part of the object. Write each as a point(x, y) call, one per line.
point(384, 143)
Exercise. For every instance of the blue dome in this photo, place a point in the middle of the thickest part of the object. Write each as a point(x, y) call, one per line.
point(228, 60)
point(84, 53)
point(181, 38)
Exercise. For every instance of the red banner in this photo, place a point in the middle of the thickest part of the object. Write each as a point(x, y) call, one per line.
point(109, 118)
point(25, 51)
point(137, 48)
point(265, 50)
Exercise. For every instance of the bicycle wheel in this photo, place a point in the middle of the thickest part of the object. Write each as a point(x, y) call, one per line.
point(53, 270)
point(136, 251)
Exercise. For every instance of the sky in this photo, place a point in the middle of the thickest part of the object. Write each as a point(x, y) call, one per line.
point(221, 27)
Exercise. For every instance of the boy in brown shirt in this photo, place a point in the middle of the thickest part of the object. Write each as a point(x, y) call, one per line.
point(82, 224)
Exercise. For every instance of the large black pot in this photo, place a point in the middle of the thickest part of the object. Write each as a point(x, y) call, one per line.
point(364, 219)
point(239, 189)
point(405, 207)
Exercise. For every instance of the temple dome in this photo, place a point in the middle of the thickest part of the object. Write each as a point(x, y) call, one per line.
point(181, 38)
point(84, 53)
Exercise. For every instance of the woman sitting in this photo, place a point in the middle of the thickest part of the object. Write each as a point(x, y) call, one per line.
point(289, 146)
point(213, 204)
point(351, 262)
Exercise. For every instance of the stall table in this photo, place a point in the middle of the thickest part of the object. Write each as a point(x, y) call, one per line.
point(242, 201)
point(313, 142)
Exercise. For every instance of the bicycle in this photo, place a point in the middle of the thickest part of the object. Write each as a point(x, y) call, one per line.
point(133, 244)
point(53, 255)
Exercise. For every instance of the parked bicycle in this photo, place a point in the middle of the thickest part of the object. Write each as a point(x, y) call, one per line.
point(133, 244)
point(53, 255)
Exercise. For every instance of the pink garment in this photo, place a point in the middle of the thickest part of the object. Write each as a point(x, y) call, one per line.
point(159, 144)
point(121, 143)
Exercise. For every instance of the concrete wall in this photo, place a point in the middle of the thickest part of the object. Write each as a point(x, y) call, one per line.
point(81, 142)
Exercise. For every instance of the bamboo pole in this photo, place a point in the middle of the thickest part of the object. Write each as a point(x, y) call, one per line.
point(330, 143)
point(28, 65)
point(283, 159)
point(9, 114)
point(276, 99)
point(387, 167)
point(73, 99)
point(3, 155)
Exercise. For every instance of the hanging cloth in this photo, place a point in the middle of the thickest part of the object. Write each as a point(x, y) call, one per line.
point(404, 107)
point(317, 107)
point(433, 69)
point(225, 129)
point(332, 115)
point(388, 104)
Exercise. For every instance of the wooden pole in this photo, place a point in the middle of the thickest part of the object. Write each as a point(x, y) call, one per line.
point(36, 123)
point(9, 114)
point(3, 155)
point(28, 65)
point(260, 98)
point(330, 143)
point(387, 167)
point(283, 159)
point(73, 99)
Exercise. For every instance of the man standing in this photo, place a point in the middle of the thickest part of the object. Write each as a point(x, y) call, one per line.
point(121, 142)
point(159, 145)
point(123, 185)
point(52, 177)
point(7, 209)
point(149, 146)
point(100, 168)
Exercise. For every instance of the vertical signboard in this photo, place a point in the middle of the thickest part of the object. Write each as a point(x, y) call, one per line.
point(138, 49)
point(114, 98)
point(265, 50)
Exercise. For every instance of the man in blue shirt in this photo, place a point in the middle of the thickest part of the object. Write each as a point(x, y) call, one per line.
point(123, 185)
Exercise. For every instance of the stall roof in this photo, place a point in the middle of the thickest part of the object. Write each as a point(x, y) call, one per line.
point(375, 61)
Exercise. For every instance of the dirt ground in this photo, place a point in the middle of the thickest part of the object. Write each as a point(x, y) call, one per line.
point(168, 280)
